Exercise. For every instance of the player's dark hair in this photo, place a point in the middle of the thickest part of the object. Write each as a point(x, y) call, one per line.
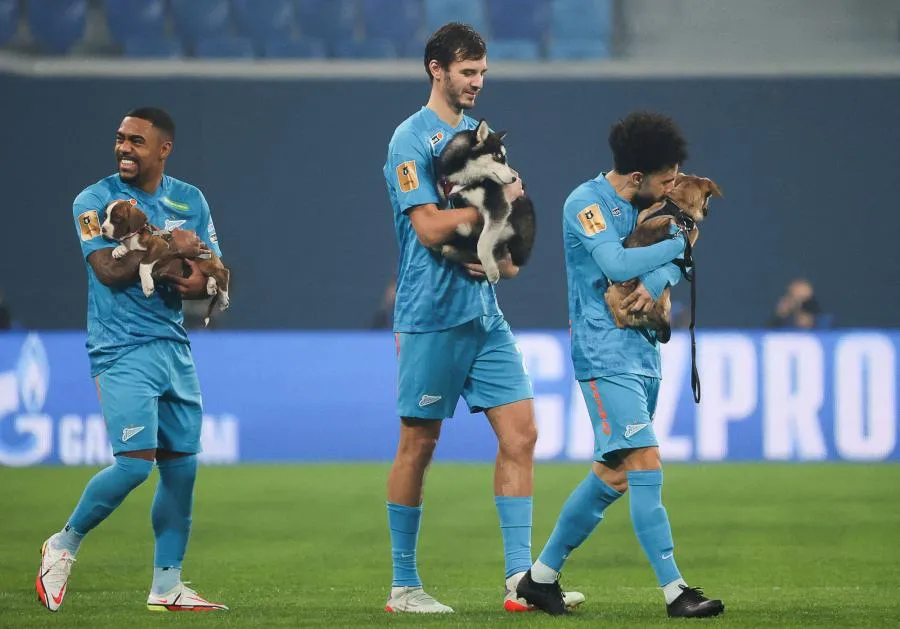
point(646, 142)
point(159, 118)
point(453, 42)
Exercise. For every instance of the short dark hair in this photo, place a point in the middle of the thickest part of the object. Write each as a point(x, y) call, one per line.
point(453, 42)
point(159, 118)
point(646, 142)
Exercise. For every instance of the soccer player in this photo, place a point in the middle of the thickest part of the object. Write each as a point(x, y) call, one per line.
point(619, 369)
point(451, 337)
point(141, 363)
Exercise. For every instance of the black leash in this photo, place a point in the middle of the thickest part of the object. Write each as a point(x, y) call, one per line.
point(689, 273)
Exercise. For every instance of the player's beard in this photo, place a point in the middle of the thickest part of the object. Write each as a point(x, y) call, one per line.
point(642, 200)
point(456, 97)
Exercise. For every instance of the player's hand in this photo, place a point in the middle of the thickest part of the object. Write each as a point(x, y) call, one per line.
point(514, 190)
point(507, 268)
point(187, 244)
point(191, 287)
point(639, 301)
point(475, 270)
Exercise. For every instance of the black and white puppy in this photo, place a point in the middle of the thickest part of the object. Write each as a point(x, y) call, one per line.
point(473, 166)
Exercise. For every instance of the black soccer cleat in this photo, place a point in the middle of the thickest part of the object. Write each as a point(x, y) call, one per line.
point(547, 597)
point(692, 604)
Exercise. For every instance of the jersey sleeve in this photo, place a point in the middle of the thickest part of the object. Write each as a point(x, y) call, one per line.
point(591, 222)
point(411, 173)
point(659, 278)
point(88, 213)
point(207, 231)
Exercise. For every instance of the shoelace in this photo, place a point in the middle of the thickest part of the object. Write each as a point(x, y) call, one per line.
point(695, 593)
point(56, 574)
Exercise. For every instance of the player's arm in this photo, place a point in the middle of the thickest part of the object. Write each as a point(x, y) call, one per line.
point(592, 224)
point(434, 226)
point(88, 214)
point(657, 280)
point(190, 245)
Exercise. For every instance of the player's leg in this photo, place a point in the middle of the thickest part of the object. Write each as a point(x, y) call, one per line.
point(180, 423)
point(648, 515)
point(582, 512)
point(431, 372)
point(498, 383)
point(128, 398)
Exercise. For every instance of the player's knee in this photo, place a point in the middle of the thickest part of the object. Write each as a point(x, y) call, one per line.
point(617, 479)
point(520, 443)
point(135, 471)
point(419, 449)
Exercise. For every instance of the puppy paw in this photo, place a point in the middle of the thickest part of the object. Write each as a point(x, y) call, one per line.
point(464, 229)
point(148, 288)
point(119, 251)
point(224, 300)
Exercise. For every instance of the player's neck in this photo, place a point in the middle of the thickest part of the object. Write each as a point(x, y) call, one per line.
point(152, 184)
point(622, 185)
point(439, 105)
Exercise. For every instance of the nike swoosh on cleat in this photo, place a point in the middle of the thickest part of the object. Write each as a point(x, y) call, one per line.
point(58, 599)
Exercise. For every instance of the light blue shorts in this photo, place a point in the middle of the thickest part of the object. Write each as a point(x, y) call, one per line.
point(151, 399)
point(478, 360)
point(621, 409)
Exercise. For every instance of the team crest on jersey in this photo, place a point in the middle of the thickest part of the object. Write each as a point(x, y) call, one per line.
point(616, 212)
point(407, 177)
point(591, 219)
point(437, 137)
point(89, 222)
point(173, 224)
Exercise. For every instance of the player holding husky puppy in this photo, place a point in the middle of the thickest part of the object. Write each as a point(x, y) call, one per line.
point(452, 339)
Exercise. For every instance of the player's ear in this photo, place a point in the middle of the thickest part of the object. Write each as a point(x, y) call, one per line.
point(165, 150)
point(482, 131)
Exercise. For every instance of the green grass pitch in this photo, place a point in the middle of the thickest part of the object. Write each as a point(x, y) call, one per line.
point(289, 546)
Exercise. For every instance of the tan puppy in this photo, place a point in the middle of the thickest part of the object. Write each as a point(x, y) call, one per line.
point(691, 200)
point(127, 224)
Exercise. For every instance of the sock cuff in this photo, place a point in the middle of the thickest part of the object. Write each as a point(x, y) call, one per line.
point(180, 461)
point(601, 487)
point(645, 477)
point(514, 510)
point(403, 518)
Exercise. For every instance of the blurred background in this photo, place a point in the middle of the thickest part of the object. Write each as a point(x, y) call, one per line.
point(284, 110)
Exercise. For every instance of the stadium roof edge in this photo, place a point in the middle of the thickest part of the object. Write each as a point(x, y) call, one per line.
point(101, 67)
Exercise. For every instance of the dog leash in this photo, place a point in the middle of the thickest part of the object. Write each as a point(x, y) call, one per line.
point(689, 273)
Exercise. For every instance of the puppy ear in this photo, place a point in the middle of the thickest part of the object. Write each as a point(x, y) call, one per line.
point(482, 131)
point(136, 219)
point(710, 188)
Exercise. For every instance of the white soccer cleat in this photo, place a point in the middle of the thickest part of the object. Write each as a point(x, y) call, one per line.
point(513, 603)
point(181, 598)
point(53, 575)
point(414, 600)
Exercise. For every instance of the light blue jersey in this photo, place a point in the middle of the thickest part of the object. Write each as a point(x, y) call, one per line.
point(595, 222)
point(121, 319)
point(433, 293)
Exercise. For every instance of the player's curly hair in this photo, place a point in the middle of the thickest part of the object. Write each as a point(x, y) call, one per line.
point(646, 142)
point(159, 118)
point(453, 42)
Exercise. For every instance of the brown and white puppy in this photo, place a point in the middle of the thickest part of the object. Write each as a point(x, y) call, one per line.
point(127, 224)
point(691, 196)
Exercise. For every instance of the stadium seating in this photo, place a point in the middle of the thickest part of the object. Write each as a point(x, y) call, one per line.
point(439, 12)
point(152, 48)
point(332, 21)
point(514, 50)
point(578, 49)
point(396, 20)
point(526, 30)
point(142, 19)
point(9, 19)
point(224, 48)
point(366, 49)
point(517, 19)
point(306, 48)
point(201, 19)
point(580, 20)
point(57, 25)
point(264, 20)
